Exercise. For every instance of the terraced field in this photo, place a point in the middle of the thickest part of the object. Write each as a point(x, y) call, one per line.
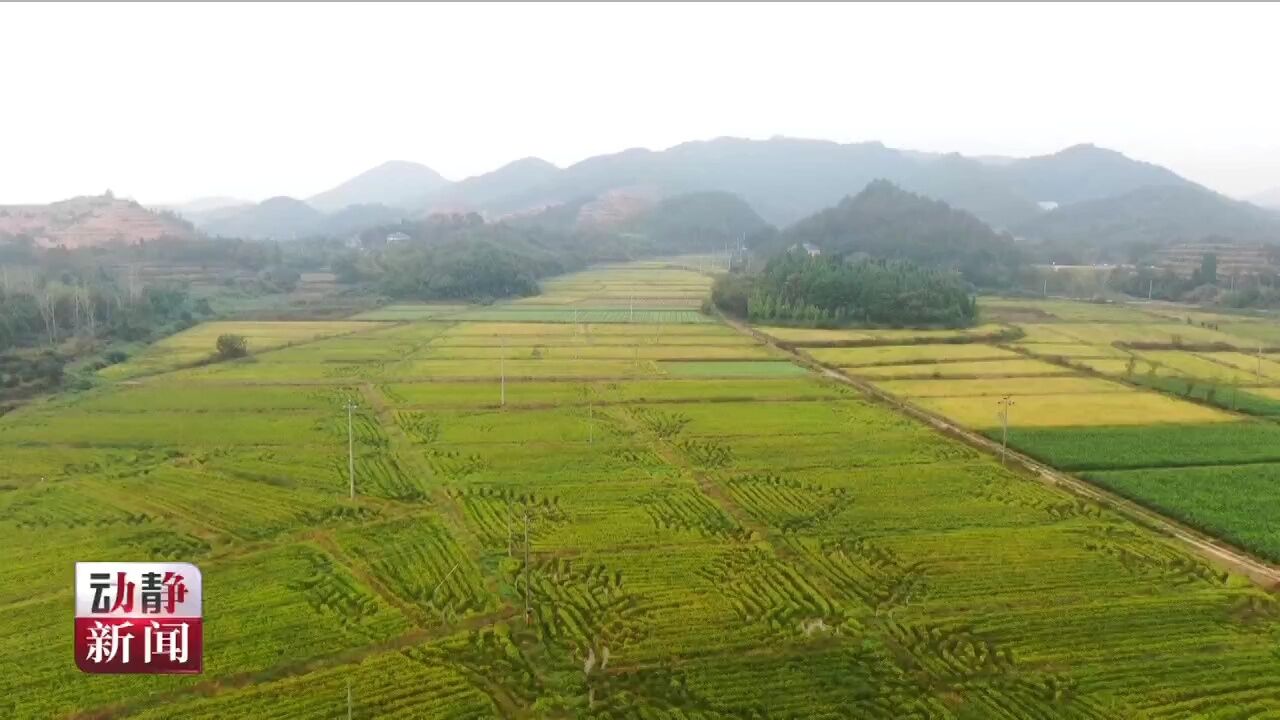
point(588, 525)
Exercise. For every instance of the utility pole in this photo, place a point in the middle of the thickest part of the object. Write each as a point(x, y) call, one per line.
point(1004, 403)
point(351, 447)
point(1151, 285)
point(526, 565)
point(633, 309)
point(1046, 286)
point(502, 365)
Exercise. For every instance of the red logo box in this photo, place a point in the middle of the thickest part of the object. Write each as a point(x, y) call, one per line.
point(139, 618)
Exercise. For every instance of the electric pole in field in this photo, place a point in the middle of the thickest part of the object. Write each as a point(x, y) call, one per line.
point(502, 365)
point(633, 309)
point(526, 564)
point(1005, 403)
point(1151, 286)
point(351, 449)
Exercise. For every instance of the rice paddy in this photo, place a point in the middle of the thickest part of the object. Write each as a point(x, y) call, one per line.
point(712, 534)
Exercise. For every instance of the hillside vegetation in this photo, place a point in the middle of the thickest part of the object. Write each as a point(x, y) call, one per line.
point(884, 221)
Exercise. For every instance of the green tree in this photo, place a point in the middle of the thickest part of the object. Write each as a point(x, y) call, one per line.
point(230, 346)
point(1208, 272)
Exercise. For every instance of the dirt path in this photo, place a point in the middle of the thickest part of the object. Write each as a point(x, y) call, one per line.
point(1259, 571)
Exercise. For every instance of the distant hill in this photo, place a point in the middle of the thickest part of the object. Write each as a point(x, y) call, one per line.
point(277, 218)
point(1084, 172)
point(89, 221)
point(1156, 215)
point(786, 179)
point(697, 222)
point(884, 221)
point(395, 184)
point(483, 191)
point(1269, 199)
point(352, 219)
point(202, 211)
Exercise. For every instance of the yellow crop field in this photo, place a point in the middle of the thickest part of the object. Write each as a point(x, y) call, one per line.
point(601, 352)
point(995, 387)
point(198, 343)
point(1075, 410)
point(1072, 350)
point(991, 368)
point(1071, 311)
point(1109, 366)
point(1045, 333)
point(569, 329)
point(1186, 364)
point(1252, 365)
point(1108, 333)
point(894, 354)
point(802, 336)
point(1267, 392)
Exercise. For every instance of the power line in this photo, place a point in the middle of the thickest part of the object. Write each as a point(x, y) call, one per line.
point(351, 455)
point(1005, 403)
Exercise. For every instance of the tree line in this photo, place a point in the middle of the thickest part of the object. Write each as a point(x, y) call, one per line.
point(821, 291)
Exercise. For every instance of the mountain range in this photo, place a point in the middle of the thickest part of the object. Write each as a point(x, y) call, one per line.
point(787, 179)
point(1083, 194)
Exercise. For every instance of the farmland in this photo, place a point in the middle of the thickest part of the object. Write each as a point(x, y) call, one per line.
point(699, 527)
point(1149, 402)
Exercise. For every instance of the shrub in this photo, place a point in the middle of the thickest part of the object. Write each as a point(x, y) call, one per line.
point(232, 346)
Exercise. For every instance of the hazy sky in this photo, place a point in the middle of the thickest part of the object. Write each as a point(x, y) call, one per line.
point(169, 102)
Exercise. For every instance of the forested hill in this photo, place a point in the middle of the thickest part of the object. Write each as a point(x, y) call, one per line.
point(1156, 215)
point(696, 222)
point(884, 221)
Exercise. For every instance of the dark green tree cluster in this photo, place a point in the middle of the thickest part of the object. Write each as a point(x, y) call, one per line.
point(826, 292)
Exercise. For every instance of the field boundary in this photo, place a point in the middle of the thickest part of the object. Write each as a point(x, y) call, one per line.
point(1256, 569)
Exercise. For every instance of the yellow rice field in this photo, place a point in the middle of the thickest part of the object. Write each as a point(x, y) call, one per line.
point(802, 336)
point(995, 387)
point(1075, 410)
point(1071, 350)
point(993, 368)
point(896, 354)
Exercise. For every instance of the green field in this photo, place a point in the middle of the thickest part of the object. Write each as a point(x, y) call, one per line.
point(707, 538)
point(1237, 502)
